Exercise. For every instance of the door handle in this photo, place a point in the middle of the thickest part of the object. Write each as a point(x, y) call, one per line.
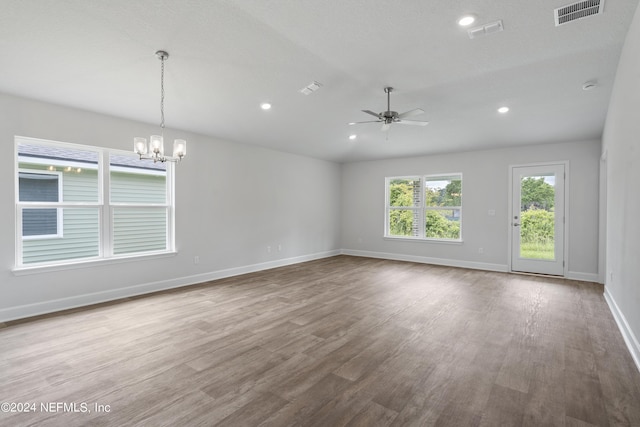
point(515, 224)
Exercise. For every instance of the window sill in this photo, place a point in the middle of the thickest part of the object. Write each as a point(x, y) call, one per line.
point(421, 240)
point(25, 270)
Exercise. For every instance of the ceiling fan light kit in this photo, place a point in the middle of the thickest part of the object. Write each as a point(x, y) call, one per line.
point(389, 117)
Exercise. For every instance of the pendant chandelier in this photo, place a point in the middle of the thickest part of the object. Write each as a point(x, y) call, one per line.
point(155, 150)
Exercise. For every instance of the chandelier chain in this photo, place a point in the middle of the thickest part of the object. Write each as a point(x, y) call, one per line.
point(162, 94)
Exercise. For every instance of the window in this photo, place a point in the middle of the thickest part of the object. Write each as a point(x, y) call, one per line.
point(139, 206)
point(40, 187)
point(76, 203)
point(424, 207)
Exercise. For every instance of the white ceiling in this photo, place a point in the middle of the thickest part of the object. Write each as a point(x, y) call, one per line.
point(228, 56)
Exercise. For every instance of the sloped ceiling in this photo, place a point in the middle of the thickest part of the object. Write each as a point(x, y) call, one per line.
point(228, 56)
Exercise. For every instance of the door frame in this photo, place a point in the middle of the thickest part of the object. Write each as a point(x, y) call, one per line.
point(602, 221)
point(567, 186)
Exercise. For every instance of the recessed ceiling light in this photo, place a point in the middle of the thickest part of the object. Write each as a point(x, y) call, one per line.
point(466, 20)
point(265, 106)
point(352, 123)
point(503, 110)
point(352, 137)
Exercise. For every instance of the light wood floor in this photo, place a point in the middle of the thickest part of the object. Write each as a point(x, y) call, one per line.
point(341, 341)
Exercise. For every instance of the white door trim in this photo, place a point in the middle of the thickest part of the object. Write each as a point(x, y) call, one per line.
point(602, 225)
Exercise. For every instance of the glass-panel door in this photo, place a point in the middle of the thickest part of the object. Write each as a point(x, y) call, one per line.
point(538, 219)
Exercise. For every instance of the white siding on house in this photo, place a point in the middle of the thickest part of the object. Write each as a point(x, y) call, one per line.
point(81, 187)
point(139, 228)
point(81, 227)
point(138, 188)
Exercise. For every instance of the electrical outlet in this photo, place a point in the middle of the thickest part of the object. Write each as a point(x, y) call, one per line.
point(196, 259)
point(279, 248)
point(268, 249)
point(480, 250)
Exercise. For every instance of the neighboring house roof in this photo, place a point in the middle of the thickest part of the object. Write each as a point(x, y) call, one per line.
point(85, 156)
point(134, 162)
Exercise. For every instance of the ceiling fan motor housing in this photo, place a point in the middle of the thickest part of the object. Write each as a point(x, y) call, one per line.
point(390, 116)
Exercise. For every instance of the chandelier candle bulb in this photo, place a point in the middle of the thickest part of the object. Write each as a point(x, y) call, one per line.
point(179, 148)
point(140, 145)
point(155, 145)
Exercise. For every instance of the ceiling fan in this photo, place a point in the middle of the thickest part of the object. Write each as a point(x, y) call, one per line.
point(387, 118)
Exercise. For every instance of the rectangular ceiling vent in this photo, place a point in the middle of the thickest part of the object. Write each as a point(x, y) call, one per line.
point(483, 30)
point(578, 10)
point(310, 88)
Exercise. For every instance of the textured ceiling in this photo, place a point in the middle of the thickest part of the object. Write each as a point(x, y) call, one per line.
point(226, 57)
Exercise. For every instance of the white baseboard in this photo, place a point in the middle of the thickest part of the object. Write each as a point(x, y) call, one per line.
point(428, 260)
point(584, 277)
point(45, 307)
point(629, 337)
point(29, 310)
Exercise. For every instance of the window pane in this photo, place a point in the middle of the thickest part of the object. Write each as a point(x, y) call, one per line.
point(39, 222)
point(404, 192)
point(537, 217)
point(38, 187)
point(538, 192)
point(79, 240)
point(443, 223)
point(443, 191)
point(137, 182)
point(139, 230)
point(78, 170)
point(80, 185)
point(403, 222)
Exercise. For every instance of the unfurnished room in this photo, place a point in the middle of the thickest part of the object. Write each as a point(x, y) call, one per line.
point(365, 213)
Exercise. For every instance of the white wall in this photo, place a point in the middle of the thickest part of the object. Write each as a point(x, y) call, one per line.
point(621, 149)
point(233, 201)
point(485, 187)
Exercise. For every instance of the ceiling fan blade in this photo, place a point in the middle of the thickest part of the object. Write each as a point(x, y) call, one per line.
point(412, 122)
point(410, 113)
point(367, 121)
point(371, 112)
point(386, 127)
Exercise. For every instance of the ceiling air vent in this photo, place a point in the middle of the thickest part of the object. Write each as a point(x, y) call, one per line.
point(483, 30)
point(578, 10)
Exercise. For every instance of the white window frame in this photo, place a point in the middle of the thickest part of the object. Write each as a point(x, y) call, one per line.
point(103, 204)
point(27, 205)
point(422, 209)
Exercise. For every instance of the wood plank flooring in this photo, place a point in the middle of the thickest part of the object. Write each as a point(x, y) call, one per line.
point(343, 341)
